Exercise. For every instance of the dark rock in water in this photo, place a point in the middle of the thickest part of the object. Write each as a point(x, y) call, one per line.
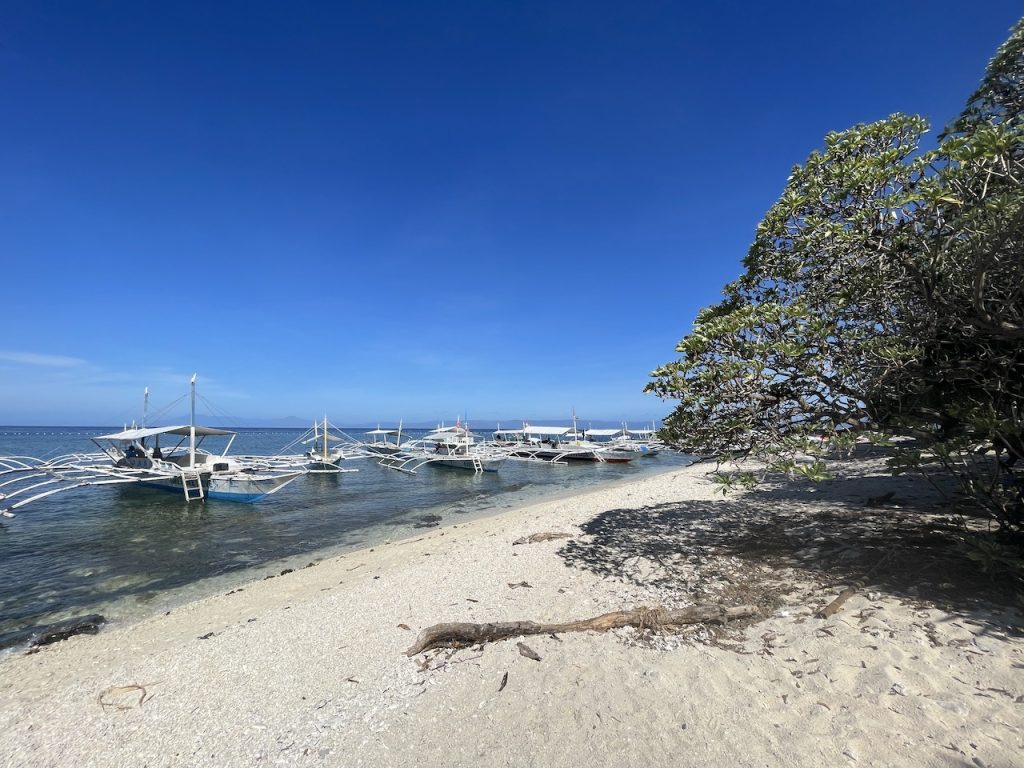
point(62, 630)
point(428, 521)
point(53, 633)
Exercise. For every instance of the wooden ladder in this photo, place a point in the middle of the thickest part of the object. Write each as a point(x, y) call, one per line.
point(192, 484)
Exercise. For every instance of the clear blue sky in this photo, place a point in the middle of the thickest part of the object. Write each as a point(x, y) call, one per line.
point(411, 210)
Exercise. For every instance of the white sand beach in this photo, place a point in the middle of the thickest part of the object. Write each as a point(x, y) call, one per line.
point(308, 668)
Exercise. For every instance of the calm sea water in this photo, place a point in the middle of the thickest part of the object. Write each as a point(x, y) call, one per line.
point(129, 552)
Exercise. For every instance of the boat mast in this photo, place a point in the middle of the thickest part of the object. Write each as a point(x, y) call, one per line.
point(145, 407)
point(325, 438)
point(192, 428)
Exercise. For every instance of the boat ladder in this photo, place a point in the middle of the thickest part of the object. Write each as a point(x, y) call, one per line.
point(477, 464)
point(192, 484)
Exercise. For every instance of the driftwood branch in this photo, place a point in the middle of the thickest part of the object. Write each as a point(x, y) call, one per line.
point(851, 590)
point(463, 633)
point(533, 538)
point(836, 604)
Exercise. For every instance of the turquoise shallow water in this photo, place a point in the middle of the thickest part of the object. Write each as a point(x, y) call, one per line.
point(128, 552)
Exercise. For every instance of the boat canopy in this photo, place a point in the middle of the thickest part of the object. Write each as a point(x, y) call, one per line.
point(380, 431)
point(545, 430)
point(185, 431)
point(602, 432)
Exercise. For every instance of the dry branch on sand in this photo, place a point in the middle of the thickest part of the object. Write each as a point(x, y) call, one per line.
point(534, 538)
point(465, 633)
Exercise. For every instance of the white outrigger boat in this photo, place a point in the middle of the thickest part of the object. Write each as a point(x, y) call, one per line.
point(558, 445)
point(447, 447)
point(539, 444)
point(126, 458)
point(330, 447)
point(641, 441)
point(379, 442)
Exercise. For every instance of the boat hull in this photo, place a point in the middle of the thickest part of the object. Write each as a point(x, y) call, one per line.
point(485, 465)
point(382, 450)
point(247, 489)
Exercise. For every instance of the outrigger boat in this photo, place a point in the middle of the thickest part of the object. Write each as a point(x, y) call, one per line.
point(641, 441)
point(539, 444)
point(329, 449)
point(380, 444)
point(447, 447)
point(557, 445)
point(125, 457)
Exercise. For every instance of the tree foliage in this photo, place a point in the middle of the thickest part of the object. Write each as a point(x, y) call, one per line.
point(883, 292)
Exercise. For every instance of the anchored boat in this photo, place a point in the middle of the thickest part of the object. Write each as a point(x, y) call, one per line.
point(379, 442)
point(136, 456)
point(447, 447)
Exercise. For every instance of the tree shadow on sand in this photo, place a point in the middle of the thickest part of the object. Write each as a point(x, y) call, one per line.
point(894, 534)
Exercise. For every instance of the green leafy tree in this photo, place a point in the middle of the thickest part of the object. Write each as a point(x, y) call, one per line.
point(883, 293)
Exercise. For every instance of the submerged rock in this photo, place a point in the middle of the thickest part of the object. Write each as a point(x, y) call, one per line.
point(46, 634)
point(428, 521)
point(62, 630)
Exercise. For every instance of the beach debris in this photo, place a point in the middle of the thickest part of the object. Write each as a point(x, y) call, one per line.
point(527, 651)
point(836, 604)
point(405, 626)
point(520, 584)
point(534, 538)
point(456, 634)
point(851, 590)
point(286, 571)
point(504, 682)
point(108, 696)
point(207, 636)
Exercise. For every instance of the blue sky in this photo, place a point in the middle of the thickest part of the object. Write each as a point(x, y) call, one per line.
point(411, 210)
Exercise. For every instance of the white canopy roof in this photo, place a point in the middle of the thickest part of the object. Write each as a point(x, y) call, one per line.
point(603, 432)
point(546, 430)
point(138, 434)
point(379, 431)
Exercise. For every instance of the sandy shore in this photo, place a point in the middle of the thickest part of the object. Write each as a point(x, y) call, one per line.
point(308, 668)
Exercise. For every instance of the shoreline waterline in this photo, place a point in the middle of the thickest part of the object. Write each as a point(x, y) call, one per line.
point(138, 601)
point(310, 668)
